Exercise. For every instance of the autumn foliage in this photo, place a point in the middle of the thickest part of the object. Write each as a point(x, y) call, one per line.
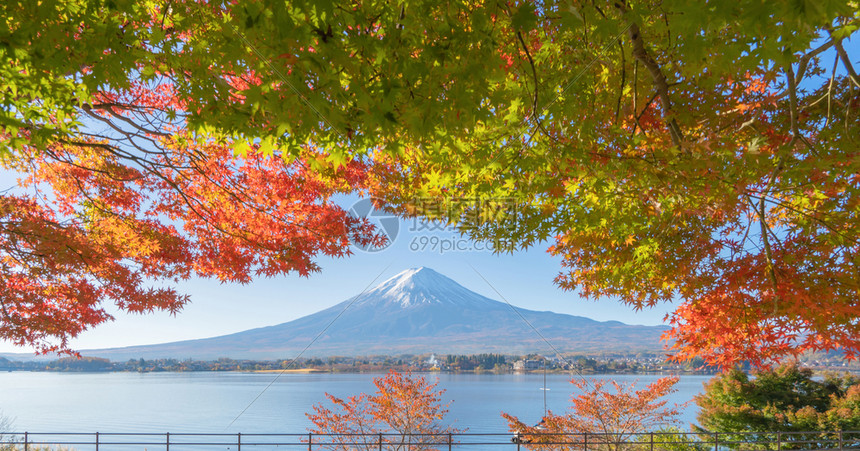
point(121, 210)
point(405, 412)
point(671, 151)
point(602, 416)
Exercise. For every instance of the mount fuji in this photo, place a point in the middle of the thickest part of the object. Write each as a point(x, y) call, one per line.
point(416, 311)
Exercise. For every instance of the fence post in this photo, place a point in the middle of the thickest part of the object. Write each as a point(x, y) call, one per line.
point(716, 441)
point(380, 441)
point(26, 445)
point(449, 441)
point(778, 440)
point(310, 440)
point(167, 435)
point(841, 443)
point(97, 441)
point(239, 441)
point(585, 440)
point(652, 441)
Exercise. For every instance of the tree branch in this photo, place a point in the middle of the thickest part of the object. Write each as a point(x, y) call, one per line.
point(792, 102)
point(641, 54)
point(535, 109)
point(639, 116)
point(804, 60)
point(623, 81)
point(852, 74)
point(768, 253)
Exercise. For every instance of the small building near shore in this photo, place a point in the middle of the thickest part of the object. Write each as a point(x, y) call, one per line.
point(521, 365)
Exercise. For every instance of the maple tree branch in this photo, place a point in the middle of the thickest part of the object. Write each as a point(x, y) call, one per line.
point(761, 211)
point(248, 202)
point(830, 91)
point(642, 113)
point(742, 242)
point(635, 88)
point(132, 108)
point(149, 166)
point(846, 61)
point(21, 254)
point(144, 164)
point(7, 317)
point(829, 94)
point(792, 106)
point(804, 60)
point(129, 136)
point(805, 212)
point(807, 215)
point(535, 106)
point(55, 156)
point(641, 54)
point(623, 81)
point(792, 99)
point(89, 110)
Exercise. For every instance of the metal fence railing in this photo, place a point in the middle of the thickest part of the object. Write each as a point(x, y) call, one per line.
point(649, 441)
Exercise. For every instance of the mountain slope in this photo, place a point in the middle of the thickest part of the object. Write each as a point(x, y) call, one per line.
point(416, 311)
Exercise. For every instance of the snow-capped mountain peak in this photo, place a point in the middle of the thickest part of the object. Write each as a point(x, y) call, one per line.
point(421, 286)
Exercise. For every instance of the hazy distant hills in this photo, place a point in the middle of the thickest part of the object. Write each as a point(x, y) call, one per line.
point(416, 311)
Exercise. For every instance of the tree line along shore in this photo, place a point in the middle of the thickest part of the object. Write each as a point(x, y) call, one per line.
point(499, 363)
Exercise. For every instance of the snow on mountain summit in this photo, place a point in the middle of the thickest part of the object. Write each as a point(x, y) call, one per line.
point(422, 286)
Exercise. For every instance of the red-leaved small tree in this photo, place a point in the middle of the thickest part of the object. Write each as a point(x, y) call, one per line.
point(612, 416)
point(404, 413)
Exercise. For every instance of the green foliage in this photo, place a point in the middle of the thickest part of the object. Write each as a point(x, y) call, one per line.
point(657, 145)
point(671, 150)
point(80, 364)
point(786, 400)
point(471, 362)
point(670, 439)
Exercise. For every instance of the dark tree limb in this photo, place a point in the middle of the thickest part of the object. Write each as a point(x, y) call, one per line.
point(852, 74)
point(661, 83)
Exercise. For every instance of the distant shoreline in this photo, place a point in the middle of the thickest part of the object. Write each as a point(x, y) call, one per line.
point(293, 370)
point(665, 372)
point(452, 364)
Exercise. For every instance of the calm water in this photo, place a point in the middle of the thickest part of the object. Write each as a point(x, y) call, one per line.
point(208, 402)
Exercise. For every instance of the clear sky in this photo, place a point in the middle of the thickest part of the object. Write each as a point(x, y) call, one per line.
point(525, 279)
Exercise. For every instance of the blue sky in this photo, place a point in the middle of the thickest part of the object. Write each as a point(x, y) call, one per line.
point(524, 279)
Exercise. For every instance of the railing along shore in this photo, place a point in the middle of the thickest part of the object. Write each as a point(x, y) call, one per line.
point(649, 441)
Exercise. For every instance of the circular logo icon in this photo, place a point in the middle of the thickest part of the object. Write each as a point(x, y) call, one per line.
point(387, 223)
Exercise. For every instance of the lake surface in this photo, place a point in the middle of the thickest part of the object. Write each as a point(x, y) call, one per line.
point(210, 402)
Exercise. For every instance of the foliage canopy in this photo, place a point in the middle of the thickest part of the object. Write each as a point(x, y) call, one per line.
point(785, 399)
point(696, 151)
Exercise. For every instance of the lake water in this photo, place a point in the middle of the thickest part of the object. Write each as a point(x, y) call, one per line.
point(209, 402)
